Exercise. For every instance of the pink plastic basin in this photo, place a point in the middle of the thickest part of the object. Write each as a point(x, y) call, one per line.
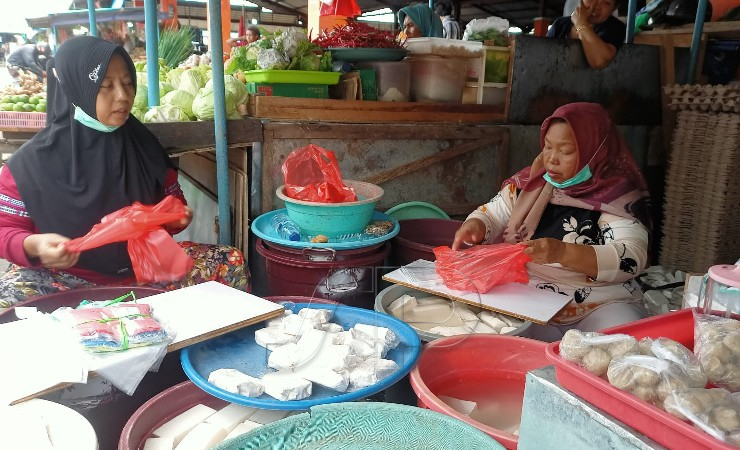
point(487, 369)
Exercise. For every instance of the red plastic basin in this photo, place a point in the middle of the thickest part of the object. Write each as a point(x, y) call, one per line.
point(465, 367)
point(418, 237)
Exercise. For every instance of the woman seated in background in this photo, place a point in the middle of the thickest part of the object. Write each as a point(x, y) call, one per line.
point(582, 208)
point(600, 33)
point(92, 158)
point(420, 21)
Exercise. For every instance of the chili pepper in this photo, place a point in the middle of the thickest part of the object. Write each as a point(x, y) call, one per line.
point(356, 34)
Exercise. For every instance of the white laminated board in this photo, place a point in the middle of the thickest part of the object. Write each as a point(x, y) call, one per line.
point(514, 299)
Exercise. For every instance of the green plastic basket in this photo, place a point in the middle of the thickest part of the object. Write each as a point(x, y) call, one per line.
point(292, 76)
point(334, 219)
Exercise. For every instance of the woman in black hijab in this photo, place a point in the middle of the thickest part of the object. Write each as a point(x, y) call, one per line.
point(91, 159)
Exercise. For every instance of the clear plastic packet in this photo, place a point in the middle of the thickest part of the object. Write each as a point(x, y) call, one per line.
point(671, 350)
point(717, 345)
point(594, 351)
point(720, 419)
point(649, 378)
point(693, 400)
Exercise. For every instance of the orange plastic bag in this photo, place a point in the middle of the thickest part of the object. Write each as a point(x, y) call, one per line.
point(155, 255)
point(312, 174)
point(482, 267)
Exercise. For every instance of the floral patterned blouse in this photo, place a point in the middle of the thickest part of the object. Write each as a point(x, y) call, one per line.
point(621, 247)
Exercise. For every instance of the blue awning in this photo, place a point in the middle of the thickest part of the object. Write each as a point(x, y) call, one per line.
point(80, 17)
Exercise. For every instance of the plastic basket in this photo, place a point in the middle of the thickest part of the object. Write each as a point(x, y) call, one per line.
point(30, 120)
point(625, 407)
point(292, 76)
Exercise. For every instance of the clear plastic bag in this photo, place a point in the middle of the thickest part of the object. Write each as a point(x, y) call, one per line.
point(649, 378)
point(717, 345)
point(719, 418)
point(692, 400)
point(594, 351)
point(482, 267)
point(671, 350)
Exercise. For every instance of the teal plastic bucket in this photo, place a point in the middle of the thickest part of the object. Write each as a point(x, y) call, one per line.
point(334, 219)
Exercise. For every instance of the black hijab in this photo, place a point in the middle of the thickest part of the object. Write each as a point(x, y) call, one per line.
point(69, 175)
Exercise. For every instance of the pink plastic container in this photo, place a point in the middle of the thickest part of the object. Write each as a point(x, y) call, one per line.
point(478, 363)
point(642, 416)
point(418, 237)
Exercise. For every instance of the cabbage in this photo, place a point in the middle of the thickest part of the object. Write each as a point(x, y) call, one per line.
point(234, 89)
point(139, 114)
point(271, 59)
point(191, 81)
point(141, 78)
point(173, 77)
point(140, 66)
point(141, 100)
point(164, 88)
point(166, 113)
point(203, 105)
point(182, 99)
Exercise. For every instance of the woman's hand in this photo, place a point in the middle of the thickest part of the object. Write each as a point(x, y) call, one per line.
point(545, 250)
point(578, 257)
point(182, 223)
point(49, 248)
point(471, 232)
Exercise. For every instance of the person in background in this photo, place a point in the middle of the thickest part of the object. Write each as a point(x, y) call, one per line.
point(92, 158)
point(420, 21)
point(109, 35)
point(29, 57)
point(583, 210)
point(251, 34)
point(450, 26)
point(600, 33)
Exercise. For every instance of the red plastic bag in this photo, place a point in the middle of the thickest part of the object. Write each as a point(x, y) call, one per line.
point(155, 255)
point(482, 267)
point(312, 174)
point(346, 8)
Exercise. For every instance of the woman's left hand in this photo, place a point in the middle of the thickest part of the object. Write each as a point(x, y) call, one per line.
point(545, 250)
point(182, 223)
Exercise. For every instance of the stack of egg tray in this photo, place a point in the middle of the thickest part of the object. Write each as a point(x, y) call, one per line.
point(701, 225)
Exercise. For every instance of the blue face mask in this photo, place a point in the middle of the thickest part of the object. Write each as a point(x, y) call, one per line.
point(582, 175)
point(82, 117)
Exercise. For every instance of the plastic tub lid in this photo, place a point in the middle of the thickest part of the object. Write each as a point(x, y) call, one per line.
point(416, 210)
point(727, 274)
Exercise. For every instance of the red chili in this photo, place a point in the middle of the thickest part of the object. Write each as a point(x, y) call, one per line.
point(356, 34)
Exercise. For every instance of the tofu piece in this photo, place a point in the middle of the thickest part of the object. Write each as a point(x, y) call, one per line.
point(462, 406)
point(231, 415)
point(432, 300)
point(275, 322)
point(236, 382)
point(286, 386)
point(286, 357)
point(323, 315)
point(370, 372)
point(318, 373)
point(181, 425)
point(244, 427)
point(450, 331)
point(402, 305)
point(479, 326)
point(159, 444)
point(465, 314)
point(204, 436)
point(505, 330)
point(312, 341)
point(338, 357)
point(297, 325)
point(492, 320)
point(371, 332)
point(364, 349)
point(265, 416)
point(272, 337)
point(341, 338)
point(332, 327)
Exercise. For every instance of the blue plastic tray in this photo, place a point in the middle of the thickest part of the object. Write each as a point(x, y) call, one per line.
point(262, 227)
point(238, 350)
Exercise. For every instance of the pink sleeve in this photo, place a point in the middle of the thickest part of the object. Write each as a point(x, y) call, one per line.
point(15, 223)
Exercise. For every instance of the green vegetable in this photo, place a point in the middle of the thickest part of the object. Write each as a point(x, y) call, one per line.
point(136, 112)
point(166, 113)
point(41, 107)
point(164, 88)
point(175, 45)
point(492, 34)
point(236, 91)
point(141, 100)
point(140, 66)
point(191, 80)
point(173, 77)
point(203, 105)
point(183, 99)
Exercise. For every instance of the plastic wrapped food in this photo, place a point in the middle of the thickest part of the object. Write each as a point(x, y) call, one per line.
point(647, 377)
point(717, 345)
point(594, 351)
point(693, 400)
point(671, 350)
point(720, 419)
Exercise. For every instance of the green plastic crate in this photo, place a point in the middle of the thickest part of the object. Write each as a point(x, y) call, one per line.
point(292, 76)
point(289, 90)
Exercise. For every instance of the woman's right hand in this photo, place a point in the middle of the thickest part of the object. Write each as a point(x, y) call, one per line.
point(49, 248)
point(471, 232)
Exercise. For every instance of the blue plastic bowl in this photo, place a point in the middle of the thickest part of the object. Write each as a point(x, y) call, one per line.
point(367, 426)
point(334, 219)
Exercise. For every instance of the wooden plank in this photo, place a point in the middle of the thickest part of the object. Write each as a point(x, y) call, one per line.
point(444, 155)
point(731, 27)
point(299, 130)
point(187, 135)
point(353, 111)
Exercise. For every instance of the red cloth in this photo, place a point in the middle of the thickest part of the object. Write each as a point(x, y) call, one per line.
point(242, 29)
point(346, 8)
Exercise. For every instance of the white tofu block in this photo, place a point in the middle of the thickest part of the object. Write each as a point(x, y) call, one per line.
point(450, 331)
point(319, 374)
point(508, 320)
point(341, 338)
point(382, 334)
point(465, 314)
point(311, 342)
point(286, 386)
point(323, 315)
point(265, 416)
point(370, 372)
point(275, 322)
point(479, 326)
point(204, 436)
point(286, 357)
point(338, 357)
point(272, 337)
point(181, 425)
point(462, 406)
point(492, 320)
point(402, 305)
point(365, 349)
point(231, 415)
point(432, 300)
point(505, 330)
point(236, 382)
point(297, 325)
point(159, 444)
point(332, 327)
point(25, 430)
point(242, 428)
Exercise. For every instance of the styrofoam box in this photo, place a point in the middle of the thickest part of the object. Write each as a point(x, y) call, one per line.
point(444, 47)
